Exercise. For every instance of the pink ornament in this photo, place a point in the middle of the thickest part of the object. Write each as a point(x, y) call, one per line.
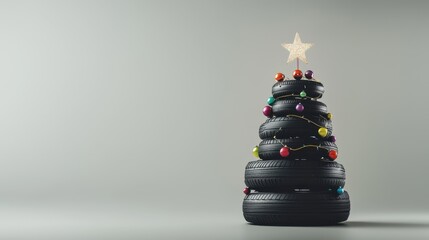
point(299, 107)
point(284, 152)
point(268, 111)
point(246, 191)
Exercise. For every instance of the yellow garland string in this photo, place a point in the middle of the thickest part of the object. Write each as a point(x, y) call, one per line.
point(323, 117)
point(297, 95)
point(308, 120)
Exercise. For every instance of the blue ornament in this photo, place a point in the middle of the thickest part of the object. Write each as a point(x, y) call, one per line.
point(340, 190)
point(271, 100)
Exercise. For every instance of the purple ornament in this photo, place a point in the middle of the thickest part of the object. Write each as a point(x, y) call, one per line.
point(309, 74)
point(332, 138)
point(268, 111)
point(299, 107)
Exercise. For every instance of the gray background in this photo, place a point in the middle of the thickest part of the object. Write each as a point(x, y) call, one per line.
point(137, 118)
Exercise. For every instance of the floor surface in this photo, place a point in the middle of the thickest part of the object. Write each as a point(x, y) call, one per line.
point(106, 222)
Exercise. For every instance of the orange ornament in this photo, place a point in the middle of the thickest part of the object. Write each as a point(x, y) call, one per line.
point(279, 77)
point(297, 74)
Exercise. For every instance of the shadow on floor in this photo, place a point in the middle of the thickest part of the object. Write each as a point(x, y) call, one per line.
point(377, 224)
point(362, 224)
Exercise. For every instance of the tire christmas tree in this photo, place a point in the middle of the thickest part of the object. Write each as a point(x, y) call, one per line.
point(296, 181)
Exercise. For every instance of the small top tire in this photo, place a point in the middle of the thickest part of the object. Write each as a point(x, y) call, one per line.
point(292, 88)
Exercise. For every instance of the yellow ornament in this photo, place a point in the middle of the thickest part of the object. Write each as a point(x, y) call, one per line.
point(329, 116)
point(323, 132)
point(256, 152)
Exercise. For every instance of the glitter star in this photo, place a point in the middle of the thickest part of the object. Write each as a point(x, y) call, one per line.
point(297, 49)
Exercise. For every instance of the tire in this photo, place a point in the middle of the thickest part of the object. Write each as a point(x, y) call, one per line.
point(270, 149)
point(292, 126)
point(281, 108)
point(282, 175)
point(312, 88)
point(296, 208)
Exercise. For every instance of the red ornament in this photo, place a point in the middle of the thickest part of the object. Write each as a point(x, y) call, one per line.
point(332, 154)
point(246, 191)
point(284, 152)
point(297, 74)
point(279, 77)
point(268, 111)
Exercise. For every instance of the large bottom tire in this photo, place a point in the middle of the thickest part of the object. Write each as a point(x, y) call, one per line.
point(296, 208)
point(283, 175)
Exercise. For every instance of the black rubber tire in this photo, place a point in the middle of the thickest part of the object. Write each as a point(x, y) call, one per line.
point(281, 108)
point(282, 175)
point(296, 208)
point(312, 88)
point(270, 149)
point(294, 127)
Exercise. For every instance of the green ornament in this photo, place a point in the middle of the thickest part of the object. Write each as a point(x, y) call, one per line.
point(303, 94)
point(271, 100)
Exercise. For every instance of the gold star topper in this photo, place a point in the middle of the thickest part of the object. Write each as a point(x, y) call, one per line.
point(297, 49)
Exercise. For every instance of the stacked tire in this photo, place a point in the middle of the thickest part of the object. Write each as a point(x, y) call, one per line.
point(296, 180)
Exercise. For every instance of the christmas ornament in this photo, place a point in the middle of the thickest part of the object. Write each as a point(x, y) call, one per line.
point(267, 111)
point(332, 138)
point(308, 74)
point(323, 132)
point(297, 49)
point(271, 100)
point(303, 94)
point(297, 74)
point(246, 191)
point(299, 107)
point(332, 154)
point(284, 151)
point(340, 190)
point(329, 116)
point(255, 152)
point(279, 77)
